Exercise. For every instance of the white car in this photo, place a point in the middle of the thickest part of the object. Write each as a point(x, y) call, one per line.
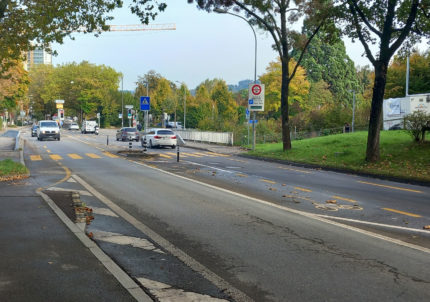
point(159, 137)
point(48, 129)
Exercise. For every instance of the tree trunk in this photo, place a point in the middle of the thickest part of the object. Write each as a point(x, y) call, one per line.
point(375, 122)
point(286, 138)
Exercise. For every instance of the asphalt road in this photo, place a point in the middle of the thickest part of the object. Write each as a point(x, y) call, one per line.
point(261, 244)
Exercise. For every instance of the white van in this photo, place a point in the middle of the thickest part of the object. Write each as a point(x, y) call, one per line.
point(88, 127)
point(48, 129)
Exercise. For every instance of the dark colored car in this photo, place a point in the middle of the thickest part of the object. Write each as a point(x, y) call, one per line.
point(396, 127)
point(34, 130)
point(127, 133)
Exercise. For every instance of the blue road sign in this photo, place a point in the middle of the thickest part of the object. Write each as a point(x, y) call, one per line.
point(145, 102)
point(250, 101)
point(253, 121)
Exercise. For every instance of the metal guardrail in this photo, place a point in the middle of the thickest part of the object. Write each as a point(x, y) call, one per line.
point(225, 138)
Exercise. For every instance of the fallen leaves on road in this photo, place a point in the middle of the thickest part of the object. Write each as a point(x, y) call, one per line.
point(14, 177)
point(426, 227)
point(332, 201)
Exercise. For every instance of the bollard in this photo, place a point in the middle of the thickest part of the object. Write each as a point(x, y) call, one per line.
point(130, 145)
point(107, 140)
point(144, 144)
point(177, 153)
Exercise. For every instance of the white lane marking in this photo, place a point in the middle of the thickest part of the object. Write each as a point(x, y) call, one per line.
point(305, 214)
point(104, 211)
point(215, 168)
point(165, 293)
point(71, 180)
point(57, 189)
point(235, 293)
point(375, 224)
point(125, 240)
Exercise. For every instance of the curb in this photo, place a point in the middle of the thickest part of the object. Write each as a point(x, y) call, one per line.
point(340, 170)
point(125, 280)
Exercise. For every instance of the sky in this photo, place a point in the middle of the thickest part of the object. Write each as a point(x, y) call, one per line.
point(203, 46)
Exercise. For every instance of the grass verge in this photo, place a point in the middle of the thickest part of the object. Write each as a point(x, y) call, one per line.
point(400, 155)
point(10, 170)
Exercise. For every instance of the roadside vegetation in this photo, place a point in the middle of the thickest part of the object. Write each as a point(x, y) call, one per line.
point(400, 155)
point(10, 170)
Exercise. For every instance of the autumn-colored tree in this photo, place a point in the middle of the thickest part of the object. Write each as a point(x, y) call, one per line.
point(226, 106)
point(419, 75)
point(298, 91)
point(13, 88)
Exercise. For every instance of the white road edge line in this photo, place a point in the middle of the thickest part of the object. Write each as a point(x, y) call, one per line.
point(305, 214)
point(237, 295)
point(375, 224)
point(125, 280)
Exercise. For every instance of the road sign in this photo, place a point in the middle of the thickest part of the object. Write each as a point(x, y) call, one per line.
point(145, 102)
point(253, 121)
point(128, 106)
point(98, 114)
point(256, 97)
point(59, 106)
point(59, 101)
point(247, 113)
point(119, 115)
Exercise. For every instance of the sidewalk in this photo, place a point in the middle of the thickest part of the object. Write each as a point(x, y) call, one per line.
point(41, 259)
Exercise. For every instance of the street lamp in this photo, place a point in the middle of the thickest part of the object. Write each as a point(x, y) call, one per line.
point(222, 11)
point(122, 101)
point(185, 104)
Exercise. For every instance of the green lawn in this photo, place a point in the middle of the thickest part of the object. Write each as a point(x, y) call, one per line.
point(9, 168)
point(400, 156)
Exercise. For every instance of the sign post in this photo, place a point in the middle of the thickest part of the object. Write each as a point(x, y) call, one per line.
point(255, 103)
point(145, 105)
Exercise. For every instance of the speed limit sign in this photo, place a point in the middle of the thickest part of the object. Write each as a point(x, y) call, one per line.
point(256, 97)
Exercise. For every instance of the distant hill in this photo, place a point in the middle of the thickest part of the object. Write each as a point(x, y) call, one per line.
point(241, 85)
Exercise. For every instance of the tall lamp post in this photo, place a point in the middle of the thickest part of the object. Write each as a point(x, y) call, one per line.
point(122, 101)
point(185, 104)
point(222, 11)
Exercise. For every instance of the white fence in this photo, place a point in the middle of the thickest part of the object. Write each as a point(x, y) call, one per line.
point(206, 136)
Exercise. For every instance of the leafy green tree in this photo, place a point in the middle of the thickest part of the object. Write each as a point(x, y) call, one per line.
point(329, 62)
point(389, 24)
point(25, 23)
point(278, 18)
point(201, 108)
point(226, 106)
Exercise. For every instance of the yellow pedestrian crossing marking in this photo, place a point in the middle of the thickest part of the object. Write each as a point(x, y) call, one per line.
point(218, 154)
point(35, 157)
point(203, 154)
point(165, 156)
point(174, 154)
point(74, 156)
point(108, 154)
point(191, 154)
point(47, 150)
point(92, 155)
point(55, 157)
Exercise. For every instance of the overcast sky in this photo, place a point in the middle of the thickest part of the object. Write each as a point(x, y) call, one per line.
point(203, 46)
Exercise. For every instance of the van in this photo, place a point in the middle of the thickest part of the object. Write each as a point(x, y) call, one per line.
point(48, 129)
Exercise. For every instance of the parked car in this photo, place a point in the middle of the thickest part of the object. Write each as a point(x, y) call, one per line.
point(48, 129)
point(71, 126)
point(34, 130)
point(396, 127)
point(178, 125)
point(127, 133)
point(159, 137)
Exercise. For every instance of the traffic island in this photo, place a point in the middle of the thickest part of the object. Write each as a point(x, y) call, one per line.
point(137, 153)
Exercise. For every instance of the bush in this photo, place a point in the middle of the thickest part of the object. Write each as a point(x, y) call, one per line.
point(415, 123)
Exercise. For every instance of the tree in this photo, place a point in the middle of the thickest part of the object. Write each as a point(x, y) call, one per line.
point(328, 61)
point(13, 87)
point(272, 79)
point(277, 18)
point(25, 24)
point(389, 24)
point(419, 76)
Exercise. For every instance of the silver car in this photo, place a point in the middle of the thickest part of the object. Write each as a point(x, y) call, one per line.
point(127, 133)
point(159, 137)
